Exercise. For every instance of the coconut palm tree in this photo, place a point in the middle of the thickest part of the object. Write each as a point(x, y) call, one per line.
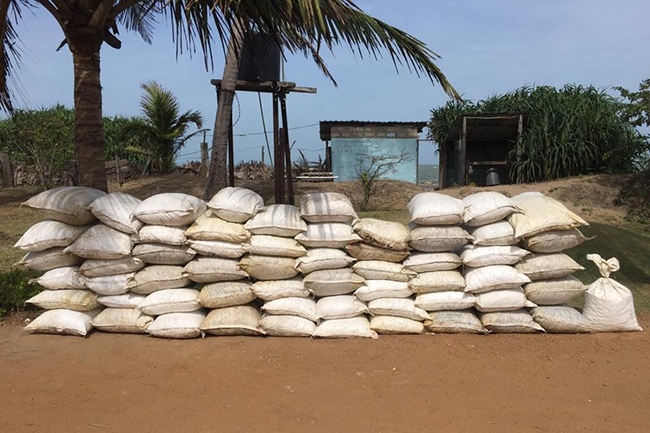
point(162, 128)
point(299, 26)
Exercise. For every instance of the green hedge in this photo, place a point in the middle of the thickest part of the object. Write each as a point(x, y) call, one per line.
point(15, 289)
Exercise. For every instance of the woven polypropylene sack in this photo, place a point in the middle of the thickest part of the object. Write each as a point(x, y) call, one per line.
point(269, 268)
point(213, 269)
point(478, 280)
point(170, 209)
point(340, 307)
point(547, 266)
point(375, 289)
point(438, 239)
point(157, 234)
point(101, 268)
point(303, 307)
point(328, 235)
point(287, 326)
point(478, 256)
point(266, 245)
point(100, 242)
point(228, 250)
point(395, 325)
point(318, 259)
point(67, 277)
point(49, 234)
point(170, 301)
point(277, 220)
point(62, 321)
point(226, 294)
point(555, 291)
point(236, 204)
point(126, 300)
point(381, 270)
point(238, 320)
point(487, 207)
point(67, 204)
point(446, 300)
point(365, 251)
point(77, 300)
point(129, 321)
point(270, 290)
point(209, 227)
point(110, 284)
point(116, 211)
point(431, 208)
point(437, 281)
point(326, 207)
point(355, 327)
point(332, 282)
point(385, 234)
point(402, 307)
point(561, 319)
point(177, 325)
point(158, 277)
point(161, 254)
point(495, 234)
point(454, 322)
point(554, 241)
point(51, 258)
point(510, 322)
point(541, 214)
point(501, 300)
point(429, 262)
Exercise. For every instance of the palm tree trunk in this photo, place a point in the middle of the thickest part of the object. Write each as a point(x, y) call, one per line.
point(218, 172)
point(88, 124)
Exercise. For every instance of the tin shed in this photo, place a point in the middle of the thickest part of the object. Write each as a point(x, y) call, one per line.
point(351, 144)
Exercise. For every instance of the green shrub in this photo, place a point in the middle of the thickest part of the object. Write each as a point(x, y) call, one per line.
point(15, 289)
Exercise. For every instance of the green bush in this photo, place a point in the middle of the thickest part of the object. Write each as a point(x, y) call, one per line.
point(15, 289)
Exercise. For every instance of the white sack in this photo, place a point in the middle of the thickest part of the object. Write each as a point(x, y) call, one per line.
point(554, 241)
point(77, 300)
point(438, 239)
point(269, 268)
point(364, 251)
point(385, 234)
point(395, 325)
point(61, 278)
point(277, 220)
point(102, 268)
point(328, 235)
point(110, 284)
point(355, 327)
point(303, 307)
point(429, 262)
point(340, 307)
point(158, 277)
point(487, 207)
point(380, 270)
point(127, 300)
point(157, 234)
point(454, 322)
point(265, 245)
point(226, 294)
point(554, 291)
point(287, 326)
point(326, 207)
point(541, 214)
point(432, 208)
point(447, 300)
point(510, 322)
point(161, 254)
point(236, 204)
point(51, 258)
point(239, 320)
point(437, 281)
point(116, 211)
point(170, 209)
point(609, 305)
point(323, 258)
point(477, 256)
point(499, 233)
point(546, 266)
point(213, 269)
point(332, 282)
point(66, 322)
point(101, 242)
point(229, 250)
point(271, 290)
point(403, 307)
point(170, 301)
point(502, 300)
point(561, 319)
point(496, 277)
point(122, 320)
point(177, 325)
point(209, 227)
point(375, 289)
point(66, 204)
point(49, 234)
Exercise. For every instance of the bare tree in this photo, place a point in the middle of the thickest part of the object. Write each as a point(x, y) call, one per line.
point(371, 168)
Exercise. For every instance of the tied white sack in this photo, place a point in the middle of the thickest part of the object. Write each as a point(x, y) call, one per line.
point(170, 301)
point(497, 277)
point(502, 300)
point(170, 209)
point(609, 305)
point(226, 294)
point(365, 251)
point(102, 268)
point(177, 325)
point(49, 234)
point(116, 211)
point(318, 259)
point(375, 289)
point(110, 284)
point(402, 307)
point(236, 204)
point(228, 250)
point(395, 325)
point(430, 262)
point(380, 270)
point(271, 290)
point(158, 234)
point(510, 322)
point(554, 241)
point(78, 300)
point(161, 254)
point(547, 266)
point(355, 327)
point(541, 214)
point(477, 256)
point(487, 207)
point(332, 282)
point(447, 300)
point(385, 234)
point(67, 204)
point(238, 320)
point(455, 322)
point(302, 307)
point(340, 307)
point(265, 245)
point(268, 267)
point(328, 235)
point(287, 326)
point(561, 319)
point(429, 239)
point(496, 234)
point(432, 208)
point(51, 258)
point(126, 300)
point(67, 277)
point(65, 322)
point(209, 227)
point(277, 220)
point(213, 269)
point(128, 321)
point(102, 243)
point(158, 277)
point(327, 207)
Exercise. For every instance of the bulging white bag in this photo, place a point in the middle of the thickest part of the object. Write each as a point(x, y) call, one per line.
point(78, 300)
point(269, 268)
point(541, 214)
point(498, 233)
point(213, 269)
point(487, 207)
point(447, 300)
point(554, 241)
point(437, 281)
point(49, 234)
point(238, 320)
point(395, 325)
point(266, 245)
point(67, 322)
point(102, 268)
point(502, 300)
point(375, 289)
point(455, 322)
point(340, 307)
point(438, 239)
point(432, 208)
point(49, 259)
point(430, 262)
point(277, 220)
point(380, 270)
point(170, 209)
point(402, 307)
point(554, 291)
point(303, 307)
point(129, 321)
point(126, 300)
point(354, 327)
point(477, 256)
point(327, 207)
point(209, 227)
point(323, 258)
point(157, 234)
point(547, 266)
point(332, 282)
point(271, 290)
point(177, 325)
point(287, 326)
point(385, 234)
point(110, 284)
point(67, 204)
point(228, 250)
point(116, 211)
point(609, 306)
point(170, 301)
point(226, 294)
point(61, 278)
point(364, 251)
point(479, 280)
point(328, 235)
point(561, 319)
point(158, 277)
point(100, 242)
point(236, 204)
point(161, 254)
point(510, 322)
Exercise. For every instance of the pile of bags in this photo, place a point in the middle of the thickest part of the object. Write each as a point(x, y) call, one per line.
point(174, 266)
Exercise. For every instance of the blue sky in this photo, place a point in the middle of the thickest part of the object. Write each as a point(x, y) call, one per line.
point(487, 47)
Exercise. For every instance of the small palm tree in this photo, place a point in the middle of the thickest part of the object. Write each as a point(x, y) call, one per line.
point(162, 127)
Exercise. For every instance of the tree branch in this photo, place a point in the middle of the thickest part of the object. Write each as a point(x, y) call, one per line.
point(52, 10)
point(123, 5)
point(98, 18)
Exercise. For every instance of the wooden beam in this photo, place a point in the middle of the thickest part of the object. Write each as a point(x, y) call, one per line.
point(278, 156)
point(287, 147)
point(231, 154)
point(520, 131)
point(442, 166)
point(7, 175)
point(463, 152)
point(268, 86)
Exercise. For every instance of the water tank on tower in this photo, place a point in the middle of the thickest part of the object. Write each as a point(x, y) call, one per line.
point(260, 60)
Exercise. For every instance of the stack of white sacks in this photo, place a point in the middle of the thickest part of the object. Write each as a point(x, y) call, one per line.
point(327, 275)
point(173, 266)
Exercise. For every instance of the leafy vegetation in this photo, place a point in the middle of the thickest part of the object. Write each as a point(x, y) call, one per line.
point(15, 289)
point(571, 131)
point(163, 128)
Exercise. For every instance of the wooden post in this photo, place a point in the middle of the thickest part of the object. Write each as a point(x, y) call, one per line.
point(442, 166)
point(520, 131)
point(463, 153)
point(117, 170)
point(205, 159)
point(328, 156)
point(5, 167)
point(287, 148)
point(263, 156)
point(231, 155)
point(278, 157)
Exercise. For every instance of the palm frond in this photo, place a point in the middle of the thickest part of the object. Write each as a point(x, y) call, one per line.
point(10, 52)
point(140, 18)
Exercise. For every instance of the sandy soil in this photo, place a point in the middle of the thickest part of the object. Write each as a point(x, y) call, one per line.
point(441, 383)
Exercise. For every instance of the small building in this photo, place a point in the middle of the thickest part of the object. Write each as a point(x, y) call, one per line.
point(352, 145)
point(477, 143)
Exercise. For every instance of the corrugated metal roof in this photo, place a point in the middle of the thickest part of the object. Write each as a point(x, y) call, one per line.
point(326, 125)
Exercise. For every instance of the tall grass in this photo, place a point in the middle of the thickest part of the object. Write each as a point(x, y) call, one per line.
point(573, 130)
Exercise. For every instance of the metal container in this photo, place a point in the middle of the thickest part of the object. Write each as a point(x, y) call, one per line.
point(492, 177)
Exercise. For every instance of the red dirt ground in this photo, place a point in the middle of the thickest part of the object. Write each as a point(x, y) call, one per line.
point(438, 383)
